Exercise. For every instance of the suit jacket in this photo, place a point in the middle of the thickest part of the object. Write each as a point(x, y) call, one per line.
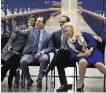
point(56, 37)
point(31, 32)
point(16, 42)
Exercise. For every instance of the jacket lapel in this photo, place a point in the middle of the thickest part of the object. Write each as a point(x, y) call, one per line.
point(59, 36)
point(43, 38)
point(34, 34)
point(60, 32)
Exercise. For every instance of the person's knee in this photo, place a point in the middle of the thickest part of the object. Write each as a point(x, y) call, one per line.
point(44, 58)
point(64, 53)
point(98, 65)
point(22, 63)
point(83, 62)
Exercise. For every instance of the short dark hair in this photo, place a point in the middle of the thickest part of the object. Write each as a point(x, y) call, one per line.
point(44, 19)
point(67, 18)
point(14, 19)
point(33, 16)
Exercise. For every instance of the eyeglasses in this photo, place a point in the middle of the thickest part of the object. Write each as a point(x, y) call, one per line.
point(62, 21)
point(13, 21)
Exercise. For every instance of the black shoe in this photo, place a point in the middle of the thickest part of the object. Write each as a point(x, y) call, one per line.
point(63, 88)
point(39, 83)
point(80, 89)
point(69, 86)
point(29, 83)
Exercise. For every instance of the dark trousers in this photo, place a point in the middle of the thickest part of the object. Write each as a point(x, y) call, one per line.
point(12, 64)
point(62, 60)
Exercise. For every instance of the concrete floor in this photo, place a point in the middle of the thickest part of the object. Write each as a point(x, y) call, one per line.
point(93, 81)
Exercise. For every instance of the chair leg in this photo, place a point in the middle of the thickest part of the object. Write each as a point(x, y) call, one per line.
point(104, 88)
point(74, 80)
point(23, 80)
point(46, 83)
point(51, 82)
point(76, 73)
point(54, 77)
point(17, 78)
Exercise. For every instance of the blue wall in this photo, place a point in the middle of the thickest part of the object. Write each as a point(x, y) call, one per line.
point(22, 5)
point(98, 7)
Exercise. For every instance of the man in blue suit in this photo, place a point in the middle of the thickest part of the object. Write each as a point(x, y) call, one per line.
point(38, 45)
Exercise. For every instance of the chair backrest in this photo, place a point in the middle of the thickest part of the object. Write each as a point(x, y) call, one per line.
point(101, 47)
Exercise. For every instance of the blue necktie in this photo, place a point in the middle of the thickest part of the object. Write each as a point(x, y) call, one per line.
point(37, 40)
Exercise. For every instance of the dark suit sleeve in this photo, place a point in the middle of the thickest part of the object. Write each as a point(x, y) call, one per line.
point(56, 37)
point(22, 32)
point(54, 45)
point(53, 38)
point(50, 46)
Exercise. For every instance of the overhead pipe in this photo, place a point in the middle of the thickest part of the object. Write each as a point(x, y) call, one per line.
point(3, 18)
point(102, 18)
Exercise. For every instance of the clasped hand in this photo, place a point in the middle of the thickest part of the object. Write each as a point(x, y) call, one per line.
point(87, 52)
point(37, 55)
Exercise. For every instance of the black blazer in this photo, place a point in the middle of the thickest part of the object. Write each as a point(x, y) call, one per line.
point(56, 37)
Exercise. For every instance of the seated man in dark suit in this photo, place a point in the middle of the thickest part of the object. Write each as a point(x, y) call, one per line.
point(38, 46)
point(57, 37)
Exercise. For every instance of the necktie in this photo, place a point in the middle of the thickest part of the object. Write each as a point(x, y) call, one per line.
point(63, 41)
point(37, 40)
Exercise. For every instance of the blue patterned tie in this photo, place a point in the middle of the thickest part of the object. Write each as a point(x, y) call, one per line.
point(37, 40)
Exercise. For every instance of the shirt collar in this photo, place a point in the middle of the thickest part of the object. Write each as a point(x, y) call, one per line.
point(62, 32)
point(40, 30)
